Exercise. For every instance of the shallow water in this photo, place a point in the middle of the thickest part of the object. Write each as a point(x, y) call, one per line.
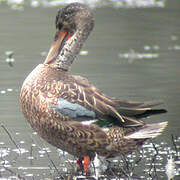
point(131, 54)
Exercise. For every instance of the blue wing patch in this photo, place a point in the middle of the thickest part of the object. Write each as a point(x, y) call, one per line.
point(73, 110)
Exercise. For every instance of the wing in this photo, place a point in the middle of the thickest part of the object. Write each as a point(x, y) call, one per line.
point(80, 100)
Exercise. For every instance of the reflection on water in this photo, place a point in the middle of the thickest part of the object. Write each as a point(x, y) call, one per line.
point(131, 56)
point(10, 60)
point(150, 38)
point(19, 4)
point(38, 160)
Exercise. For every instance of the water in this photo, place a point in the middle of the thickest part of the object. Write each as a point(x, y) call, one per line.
point(116, 58)
point(19, 4)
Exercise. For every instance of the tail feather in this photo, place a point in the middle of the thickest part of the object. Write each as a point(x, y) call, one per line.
point(136, 104)
point(149, 104)
point(139, 112)
point(131, 111)
point(148, 131)
point(150, 112)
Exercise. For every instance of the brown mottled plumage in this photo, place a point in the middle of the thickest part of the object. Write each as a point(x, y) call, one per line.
point(50, 94)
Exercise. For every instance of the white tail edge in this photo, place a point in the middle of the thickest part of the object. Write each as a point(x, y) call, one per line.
point(148, 131)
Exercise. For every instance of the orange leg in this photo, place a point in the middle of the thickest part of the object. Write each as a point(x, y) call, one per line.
point(86, 164)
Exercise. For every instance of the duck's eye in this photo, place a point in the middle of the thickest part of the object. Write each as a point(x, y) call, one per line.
point(60, 26)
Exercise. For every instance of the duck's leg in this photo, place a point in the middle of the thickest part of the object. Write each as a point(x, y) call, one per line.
point(86, 164)
point(79, 163)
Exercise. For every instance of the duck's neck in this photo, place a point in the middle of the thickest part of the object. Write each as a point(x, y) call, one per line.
point(72, 47)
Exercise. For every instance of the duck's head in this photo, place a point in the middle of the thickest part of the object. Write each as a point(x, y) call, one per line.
point(73, 24)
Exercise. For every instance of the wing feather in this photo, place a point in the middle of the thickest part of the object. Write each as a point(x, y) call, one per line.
point(79, 93)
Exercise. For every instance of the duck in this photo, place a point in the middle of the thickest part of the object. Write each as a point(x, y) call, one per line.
point(73, 115)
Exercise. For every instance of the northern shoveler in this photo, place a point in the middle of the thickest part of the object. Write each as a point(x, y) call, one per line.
point(72, 114)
